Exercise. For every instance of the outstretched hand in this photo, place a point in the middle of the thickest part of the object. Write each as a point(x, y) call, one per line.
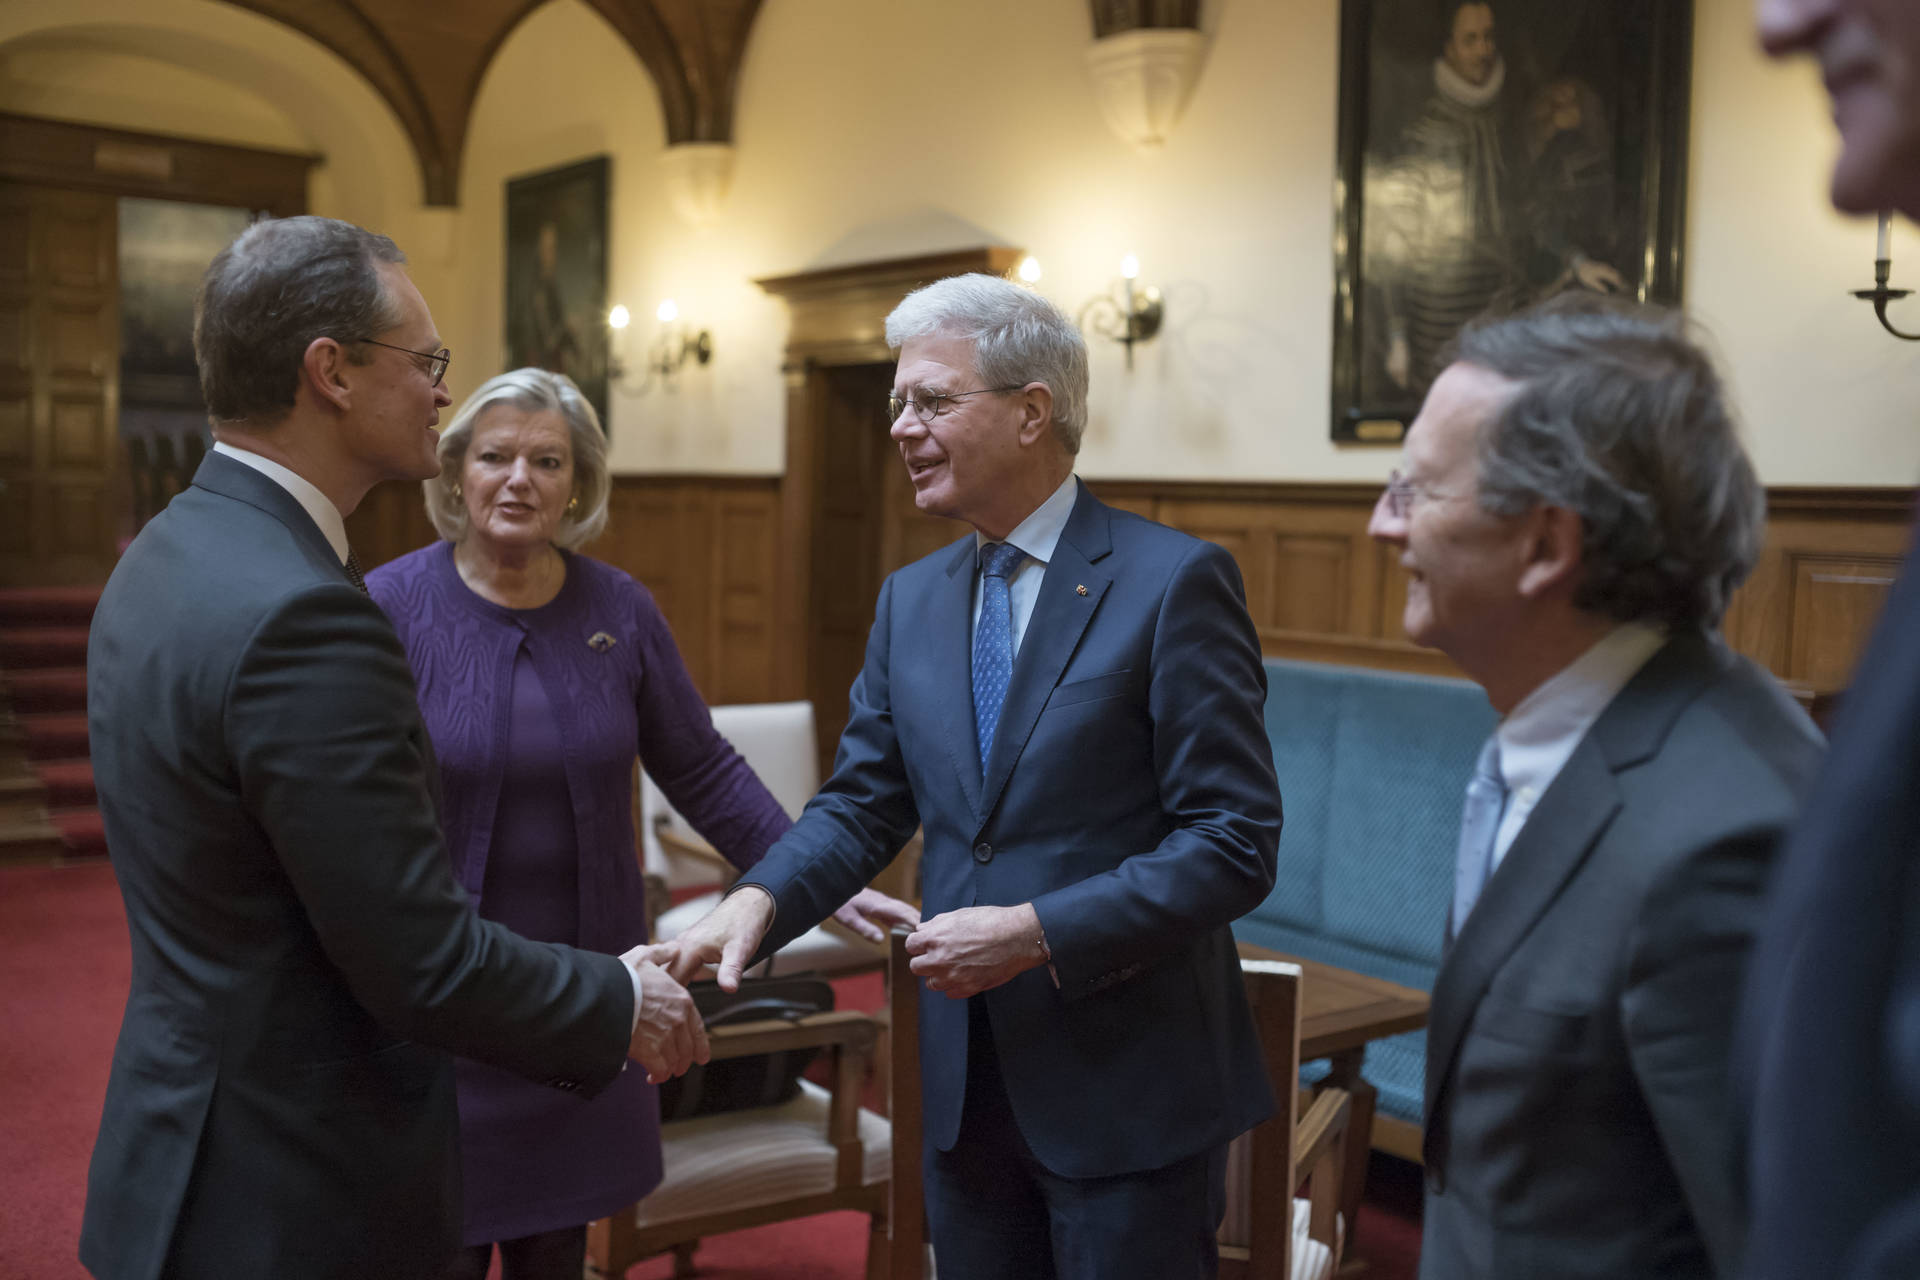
point(668, 1034)
point(871, 914)
point(726, 936)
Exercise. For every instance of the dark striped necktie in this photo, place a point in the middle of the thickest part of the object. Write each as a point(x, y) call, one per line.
point(354, 575)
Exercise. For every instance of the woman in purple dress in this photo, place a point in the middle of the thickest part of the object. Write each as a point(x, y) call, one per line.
point(541, 673)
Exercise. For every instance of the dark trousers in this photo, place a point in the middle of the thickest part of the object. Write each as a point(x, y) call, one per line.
point(550, 1255)
point(996, 1213)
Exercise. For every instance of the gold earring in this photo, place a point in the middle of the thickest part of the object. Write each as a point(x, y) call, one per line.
point(456, 491)
point(573, 504)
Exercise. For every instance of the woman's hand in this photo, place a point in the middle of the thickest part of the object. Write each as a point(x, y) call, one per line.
point(871, 914)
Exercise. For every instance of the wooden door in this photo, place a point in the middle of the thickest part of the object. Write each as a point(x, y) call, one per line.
point(59, 385)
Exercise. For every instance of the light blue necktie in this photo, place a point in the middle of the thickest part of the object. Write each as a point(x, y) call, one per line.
point(1479, 829)
point(993, 641)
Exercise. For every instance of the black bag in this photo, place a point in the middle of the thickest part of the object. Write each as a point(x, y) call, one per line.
point(736, 1084)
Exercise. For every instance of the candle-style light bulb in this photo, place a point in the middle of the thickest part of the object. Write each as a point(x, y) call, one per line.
point(1130, 267)
point(669, 312)
point(1029, 270)
point(1884, 252)
point(618, 318)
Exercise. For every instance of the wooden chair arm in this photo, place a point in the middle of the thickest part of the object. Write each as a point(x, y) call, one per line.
point(840, 1028)
point(1323, 1129)
point(699, 850)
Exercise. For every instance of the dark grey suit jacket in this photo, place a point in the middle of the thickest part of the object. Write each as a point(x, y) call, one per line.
point(1578, 1115)
point(281, 1100)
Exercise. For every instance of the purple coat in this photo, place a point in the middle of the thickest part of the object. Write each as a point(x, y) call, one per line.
point(616, 685)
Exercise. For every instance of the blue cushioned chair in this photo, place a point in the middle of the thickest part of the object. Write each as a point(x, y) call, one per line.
point(1373, 766)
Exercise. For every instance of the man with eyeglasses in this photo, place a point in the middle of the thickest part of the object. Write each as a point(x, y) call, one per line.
point(1070, 700)
point(1573, 512)
point(304, 965)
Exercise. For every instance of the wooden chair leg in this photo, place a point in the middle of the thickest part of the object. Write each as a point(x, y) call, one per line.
point(683, 1267)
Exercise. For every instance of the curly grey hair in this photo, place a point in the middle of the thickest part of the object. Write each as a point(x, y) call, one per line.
point(532, 390)
point(1621, 418)
point(1018, 337)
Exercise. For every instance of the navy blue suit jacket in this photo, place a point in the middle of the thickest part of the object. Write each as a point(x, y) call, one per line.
point(1830, 1052)
point(1130, 797)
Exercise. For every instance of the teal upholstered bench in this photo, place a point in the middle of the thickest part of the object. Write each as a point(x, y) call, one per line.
point(1372, 769)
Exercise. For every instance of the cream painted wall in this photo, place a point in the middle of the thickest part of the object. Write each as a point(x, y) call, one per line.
point(871, 128)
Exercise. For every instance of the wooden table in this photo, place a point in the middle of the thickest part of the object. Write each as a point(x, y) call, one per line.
point(1340, 1011)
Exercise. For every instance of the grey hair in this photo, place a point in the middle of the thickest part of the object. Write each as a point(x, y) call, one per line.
point(1621, 418)
point(282, 283)
point(1018, 337)
point(533, 390)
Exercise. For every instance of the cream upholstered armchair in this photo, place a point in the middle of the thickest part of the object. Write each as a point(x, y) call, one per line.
point(1269, 1232)
point(777, 740)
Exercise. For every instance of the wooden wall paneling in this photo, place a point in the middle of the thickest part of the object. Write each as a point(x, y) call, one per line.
point(123, 162)
point(746, 523)
point(389, 522)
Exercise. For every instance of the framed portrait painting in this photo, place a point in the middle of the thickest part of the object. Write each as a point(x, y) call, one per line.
point(1492, 154)
point(557, 275)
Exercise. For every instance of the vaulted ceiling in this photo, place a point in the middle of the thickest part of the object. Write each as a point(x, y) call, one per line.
point(427, 58)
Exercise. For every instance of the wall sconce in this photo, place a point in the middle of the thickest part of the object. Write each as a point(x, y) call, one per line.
point(1133, 317)
point(1028, 271)
point(667, 353)
point(1880, 295)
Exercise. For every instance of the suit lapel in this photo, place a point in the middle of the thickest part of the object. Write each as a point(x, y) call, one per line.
point(950, 632)
point(236, 480)
point(1558, 836)
point(1061, 613)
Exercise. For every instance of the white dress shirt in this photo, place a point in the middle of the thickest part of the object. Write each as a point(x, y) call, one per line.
point(334, 526)
point(1037, 535)
point(1539, 735)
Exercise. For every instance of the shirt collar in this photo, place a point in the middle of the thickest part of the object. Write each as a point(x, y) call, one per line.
point(315, 503)
point(1040, 532)
point(1538, 735)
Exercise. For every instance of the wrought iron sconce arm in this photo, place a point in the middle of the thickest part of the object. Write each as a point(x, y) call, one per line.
point(1880, 295)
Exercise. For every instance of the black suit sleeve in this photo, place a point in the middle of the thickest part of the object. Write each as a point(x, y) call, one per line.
point(323, 727)
point(1688, 960)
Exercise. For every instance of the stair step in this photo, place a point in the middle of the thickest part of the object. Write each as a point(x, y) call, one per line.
point(23, 647)
point(31, 843)
point(57, 735)
point(66, 784)
point(28, 606)
point(47, 689)
point(82, 833)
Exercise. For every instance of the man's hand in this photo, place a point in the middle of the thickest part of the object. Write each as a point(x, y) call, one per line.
point(1598, 276)
point(962, 953)
point(726, 936)
point(668, 1036)
point(871, 914)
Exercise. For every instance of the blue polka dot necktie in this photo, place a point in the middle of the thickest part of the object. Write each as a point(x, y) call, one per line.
point(993, 641)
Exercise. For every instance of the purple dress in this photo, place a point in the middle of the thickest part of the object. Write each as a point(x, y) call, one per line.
point(536, 715)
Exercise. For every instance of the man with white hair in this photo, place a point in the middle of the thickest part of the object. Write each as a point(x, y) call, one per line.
point(1831, 1032)
point(1070, 700)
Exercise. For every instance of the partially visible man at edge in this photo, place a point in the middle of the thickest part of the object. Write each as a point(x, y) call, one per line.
point(1574, 512)
point(1829, 1063)
point(282, 1095)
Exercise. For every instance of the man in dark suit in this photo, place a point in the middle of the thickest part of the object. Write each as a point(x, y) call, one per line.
point(1070, 700)
point(281, 1101)
point(1829, 1062)
point(1573, 512)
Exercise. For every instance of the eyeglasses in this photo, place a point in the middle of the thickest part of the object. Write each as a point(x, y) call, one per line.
point(928, 405)
point(437, 361)
point(1401, 494)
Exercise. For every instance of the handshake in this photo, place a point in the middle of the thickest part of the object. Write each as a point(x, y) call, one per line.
point(668, 1034)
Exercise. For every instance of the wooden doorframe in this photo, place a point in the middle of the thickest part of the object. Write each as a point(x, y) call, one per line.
point(838, 318)
point(122, 162)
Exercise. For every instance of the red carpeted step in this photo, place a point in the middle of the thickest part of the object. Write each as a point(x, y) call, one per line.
point(82, 832)
point(47, 689)
point(47, 606)
point(59, 735)
point(63, 646)
point(69, 783)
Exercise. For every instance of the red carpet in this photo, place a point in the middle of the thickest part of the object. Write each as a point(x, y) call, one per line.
point(63, 983)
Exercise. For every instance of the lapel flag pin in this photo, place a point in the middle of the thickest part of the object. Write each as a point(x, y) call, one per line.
point(599, 642)
point(1080, 590)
